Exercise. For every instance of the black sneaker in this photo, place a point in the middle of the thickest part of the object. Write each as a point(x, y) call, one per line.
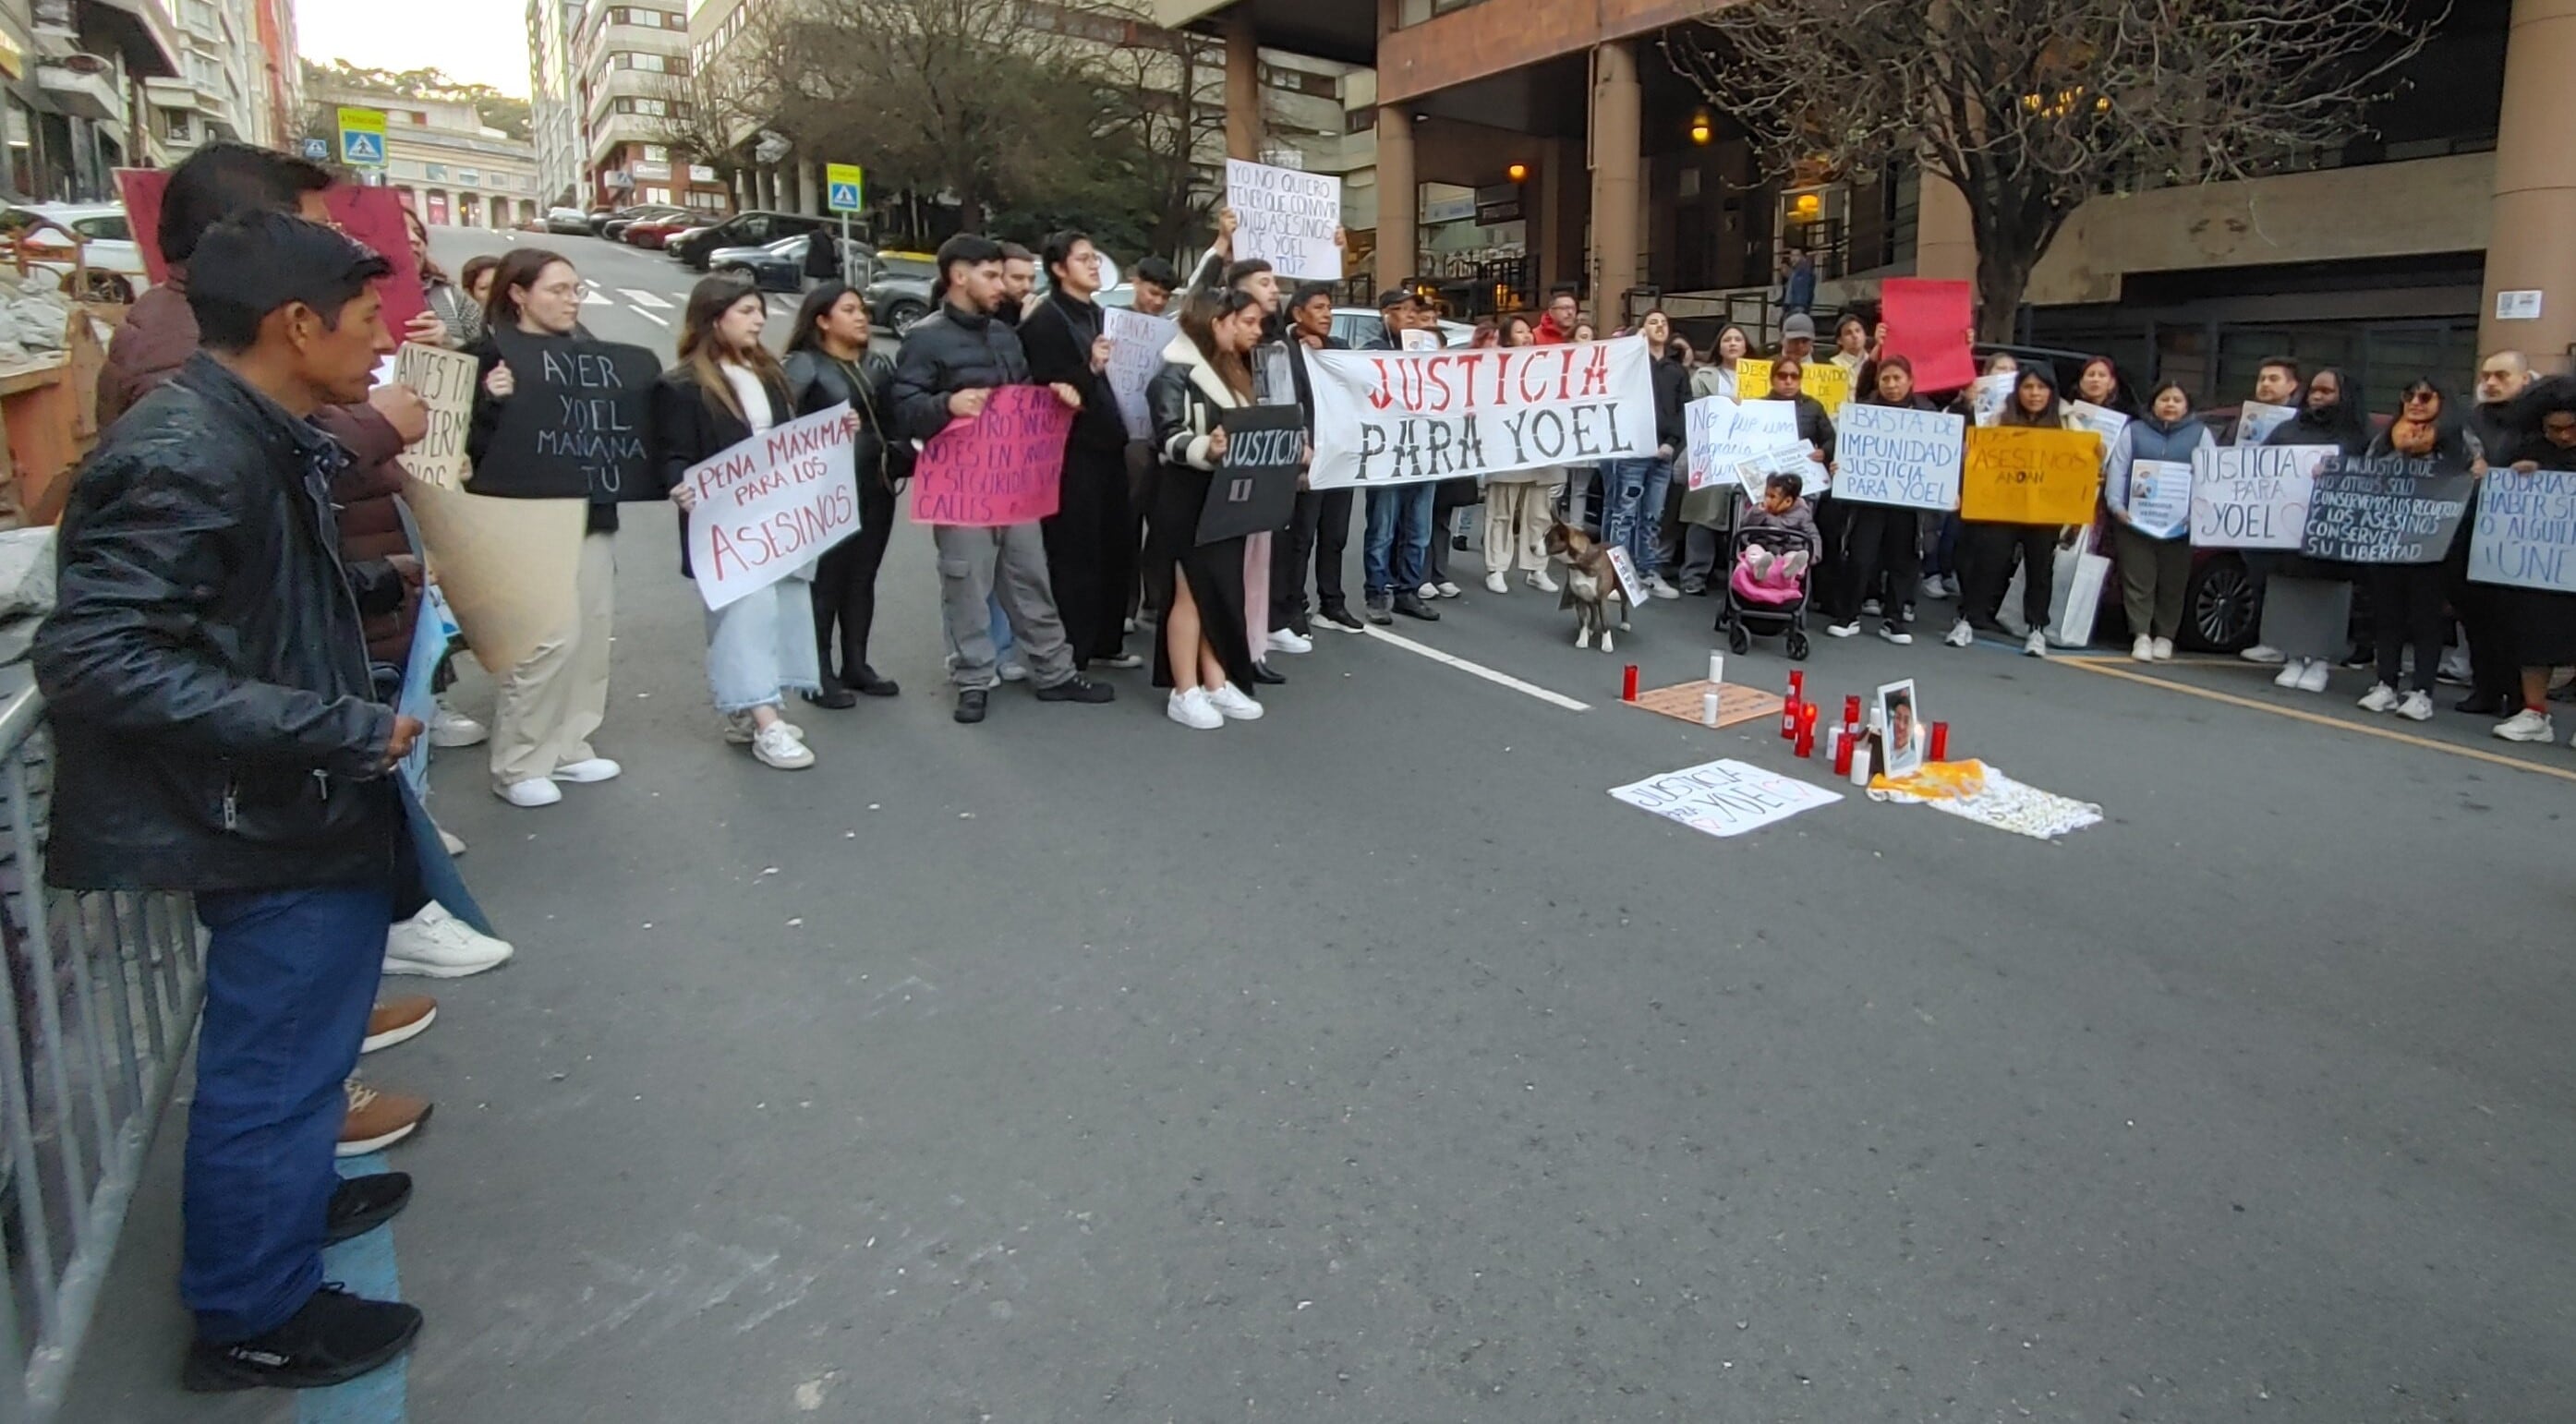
point(361, 1204)
point(1079, 689)
point(1378, 613)
point(970, 704)
point(335, 1338)
point(2479, 704)
point(1339, 616)
point(1412, 606)
point(866, 683)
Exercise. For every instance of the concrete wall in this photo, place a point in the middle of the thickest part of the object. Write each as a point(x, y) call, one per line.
point(2384, 210)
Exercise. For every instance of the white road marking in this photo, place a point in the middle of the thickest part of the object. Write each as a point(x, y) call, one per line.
point(648, 316)
point(1500, 679)
point(642, 299)
point(594, 297)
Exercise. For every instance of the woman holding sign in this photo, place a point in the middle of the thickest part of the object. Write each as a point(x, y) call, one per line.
point(1205, 653)
point(2406, 599)
point(1987, 549)
point(2543, 620)
point(2150, 527)
point(727, 389)
point(829, 364)
point(1883, 537)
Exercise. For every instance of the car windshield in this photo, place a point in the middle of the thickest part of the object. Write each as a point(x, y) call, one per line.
point(109, 227)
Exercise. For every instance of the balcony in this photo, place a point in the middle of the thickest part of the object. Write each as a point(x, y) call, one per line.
point(82, 86)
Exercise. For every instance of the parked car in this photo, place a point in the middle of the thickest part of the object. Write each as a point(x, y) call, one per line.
point(1356, 327)
point(752, 229)
point(900, 293)
point(598, 218)
point(615, 228)
point(780, 267)
point(569, 222)
point(696, 226)
point(106, 243)
point(651, 233)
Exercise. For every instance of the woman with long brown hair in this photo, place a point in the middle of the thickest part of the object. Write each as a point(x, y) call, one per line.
point(726, 389)
point(1205, 653)
point(1520, 504)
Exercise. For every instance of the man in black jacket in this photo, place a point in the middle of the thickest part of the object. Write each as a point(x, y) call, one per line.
point(1322, 531)
point(2486, 623)
point(952, 360)
point(1090, 539)
point(218, 733)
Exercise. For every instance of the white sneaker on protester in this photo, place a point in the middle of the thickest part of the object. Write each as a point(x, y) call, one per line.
point(1869, 608)
point(528, 795)
point(455, 729)
point(1445, 589)
point(1539, 580)
point(1230, 703)
point(1932, 588)
point(776, 745)
point(588, 770)
point(1896, 634)
point(1190, 707)
point(2037, 646)
point(2265, 654)
point(2143, 650)
point(2454, 667)
point(2380, 698)
point(1013, 670)
point(1496, 583)
point(2291, 668)
point(1842, 630)
point(1285, 640)
point(2313, 677)
point(1960, 634)
point(2527, 726)
point(2417, 707)
point(742, 729)
point(1656, 587)
point(2164, 650)
point(438, 945)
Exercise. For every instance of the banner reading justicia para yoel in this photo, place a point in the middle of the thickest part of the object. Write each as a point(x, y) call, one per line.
point(1395, 417)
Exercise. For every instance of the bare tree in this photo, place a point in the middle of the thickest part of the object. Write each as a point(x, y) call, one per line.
point(2032, 107)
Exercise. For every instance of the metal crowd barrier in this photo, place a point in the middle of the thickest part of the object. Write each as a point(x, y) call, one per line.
point(103, 993)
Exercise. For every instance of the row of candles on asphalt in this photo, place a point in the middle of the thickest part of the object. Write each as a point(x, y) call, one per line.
point(1853, 746)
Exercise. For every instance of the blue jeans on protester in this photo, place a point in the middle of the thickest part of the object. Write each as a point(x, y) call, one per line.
point(1634, 512)
point(290, 977)
point(1390, 568)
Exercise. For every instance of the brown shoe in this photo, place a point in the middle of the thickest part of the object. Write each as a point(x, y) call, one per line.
point(398, 1020)
point(377, 1120)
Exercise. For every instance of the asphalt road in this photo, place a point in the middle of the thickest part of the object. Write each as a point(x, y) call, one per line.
point(1370, 1063)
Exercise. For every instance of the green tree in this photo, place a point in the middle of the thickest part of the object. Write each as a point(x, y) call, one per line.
point(505, 112)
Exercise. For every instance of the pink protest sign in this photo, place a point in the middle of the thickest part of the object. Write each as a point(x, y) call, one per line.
point(373, 216)
point(1927, 324)
point(1005, 466)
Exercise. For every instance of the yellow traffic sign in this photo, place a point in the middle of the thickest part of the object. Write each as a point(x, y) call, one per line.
point(846, 185)
point(362, 138)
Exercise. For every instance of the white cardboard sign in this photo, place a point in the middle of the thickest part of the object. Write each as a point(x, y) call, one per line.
point(1724, 798)
point(1286, 218)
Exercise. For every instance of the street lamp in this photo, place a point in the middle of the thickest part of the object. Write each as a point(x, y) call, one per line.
point(1701, 130)
point(1518, 172)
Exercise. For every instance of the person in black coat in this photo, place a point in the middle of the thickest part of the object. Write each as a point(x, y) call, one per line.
point(823, 255)
point(2540, 423)
point(1321, 531)
point(2406, 599)
point(1090, 539)
point(828, 364)
point(1205, 655)
point(1881, 536)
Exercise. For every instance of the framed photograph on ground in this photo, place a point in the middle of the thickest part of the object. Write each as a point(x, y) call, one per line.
point(1900, 722)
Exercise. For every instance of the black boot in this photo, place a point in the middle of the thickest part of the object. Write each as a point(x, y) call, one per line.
point(864, 681)
point(833, 696)
point(335, 1338)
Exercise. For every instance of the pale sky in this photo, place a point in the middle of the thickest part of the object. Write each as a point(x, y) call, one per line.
point(475, 41)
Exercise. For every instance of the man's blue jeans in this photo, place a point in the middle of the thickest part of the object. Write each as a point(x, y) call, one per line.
point(1399, 538)
point(290, 977)
point(1634, 513)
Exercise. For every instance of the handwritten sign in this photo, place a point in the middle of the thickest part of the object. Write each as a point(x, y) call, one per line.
point(1889, 454)
point(1136, 345)
point(771, 505)
point(1254, 489)
point(1286, 218)
point(2256, 421)
point(445, 381)
point(1623, 568)
point(1828, 384)
point(1927, 324)
point(2526, 530)
point(1721, 434)
point(1724, 798)
point(2159, 498)
point(1003, 467)
point(2252, 496)
point(2021, 474)
point(576, 425)
point(2385, 510)
point(1394, 417)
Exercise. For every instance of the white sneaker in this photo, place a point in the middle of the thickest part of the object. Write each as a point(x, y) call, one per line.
point(583, 773)
point(1539, 580)
point(1932, 588)
point(2265, 654)
point(438, 945)
point(777, 745)
point(1656, 587)
point(2037, 646)
point(2418, 706)
point(1285, 640)
point(1230, 703)
point(2455, 667)
point(1960, 634)
point(2380, 698)
point(2527, 726)
point(531, 794)
point(2291, 670)
point(1842, 630)
point(1127, 626)
point(1896, 635)
point(1013, 670)
point(2164, 650)
point(455, 729)
point(1428, 592)
point(2312, 678)
point(1869, 608)
point(1123, 662)
point(2143, 650)
point(1446, 589)
point(1190, 707)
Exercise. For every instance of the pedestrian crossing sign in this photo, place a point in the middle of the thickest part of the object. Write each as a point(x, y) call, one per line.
point(362, 138)
point(847, 184)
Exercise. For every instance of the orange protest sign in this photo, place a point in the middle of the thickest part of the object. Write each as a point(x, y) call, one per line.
point(2018, 474)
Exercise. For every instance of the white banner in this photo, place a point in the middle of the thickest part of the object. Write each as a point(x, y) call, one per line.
point(1393, 417)
point(2526, 530)
point(1722, 434)
point(1136, 345)
point(771, 505)
point(2159, 497)
point(1724, 798)
point(2253, 496)
point(1286, 218)
point(1892, 454)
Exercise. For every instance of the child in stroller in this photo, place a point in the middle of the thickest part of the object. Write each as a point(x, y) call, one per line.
point(1776, 547)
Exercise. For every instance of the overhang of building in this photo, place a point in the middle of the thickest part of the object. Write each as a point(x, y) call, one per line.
point(1344, 31)
point(1497, 36)
point(142, 33)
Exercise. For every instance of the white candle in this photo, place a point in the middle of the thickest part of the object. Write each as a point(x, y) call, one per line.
point(1716, 669)
point(1708, 709)
point(1860, 767)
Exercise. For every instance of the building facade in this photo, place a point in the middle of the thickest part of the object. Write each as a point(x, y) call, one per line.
point(631, 66)
point(449, 166)
point(554, 121)
point(72, 104)
point(226, 87)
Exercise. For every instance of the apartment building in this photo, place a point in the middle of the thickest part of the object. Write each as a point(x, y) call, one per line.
point(554, 120)
point(631, 66)
point(228, 85)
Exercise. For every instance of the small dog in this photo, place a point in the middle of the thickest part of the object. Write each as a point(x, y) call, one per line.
point(1591, 585)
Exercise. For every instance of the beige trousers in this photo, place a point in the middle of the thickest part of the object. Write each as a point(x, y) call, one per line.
point(548, 706)
point(1517, 514)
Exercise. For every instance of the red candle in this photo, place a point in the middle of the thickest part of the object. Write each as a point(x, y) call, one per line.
point(1789, 717)
point(1797, 685)
point(1940, 741)
point(1843, 751)
point(1807, 729)
point(1628, 684)
point(1851, 710)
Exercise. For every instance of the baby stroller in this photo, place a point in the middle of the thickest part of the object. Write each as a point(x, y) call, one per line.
point(1748, 609)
